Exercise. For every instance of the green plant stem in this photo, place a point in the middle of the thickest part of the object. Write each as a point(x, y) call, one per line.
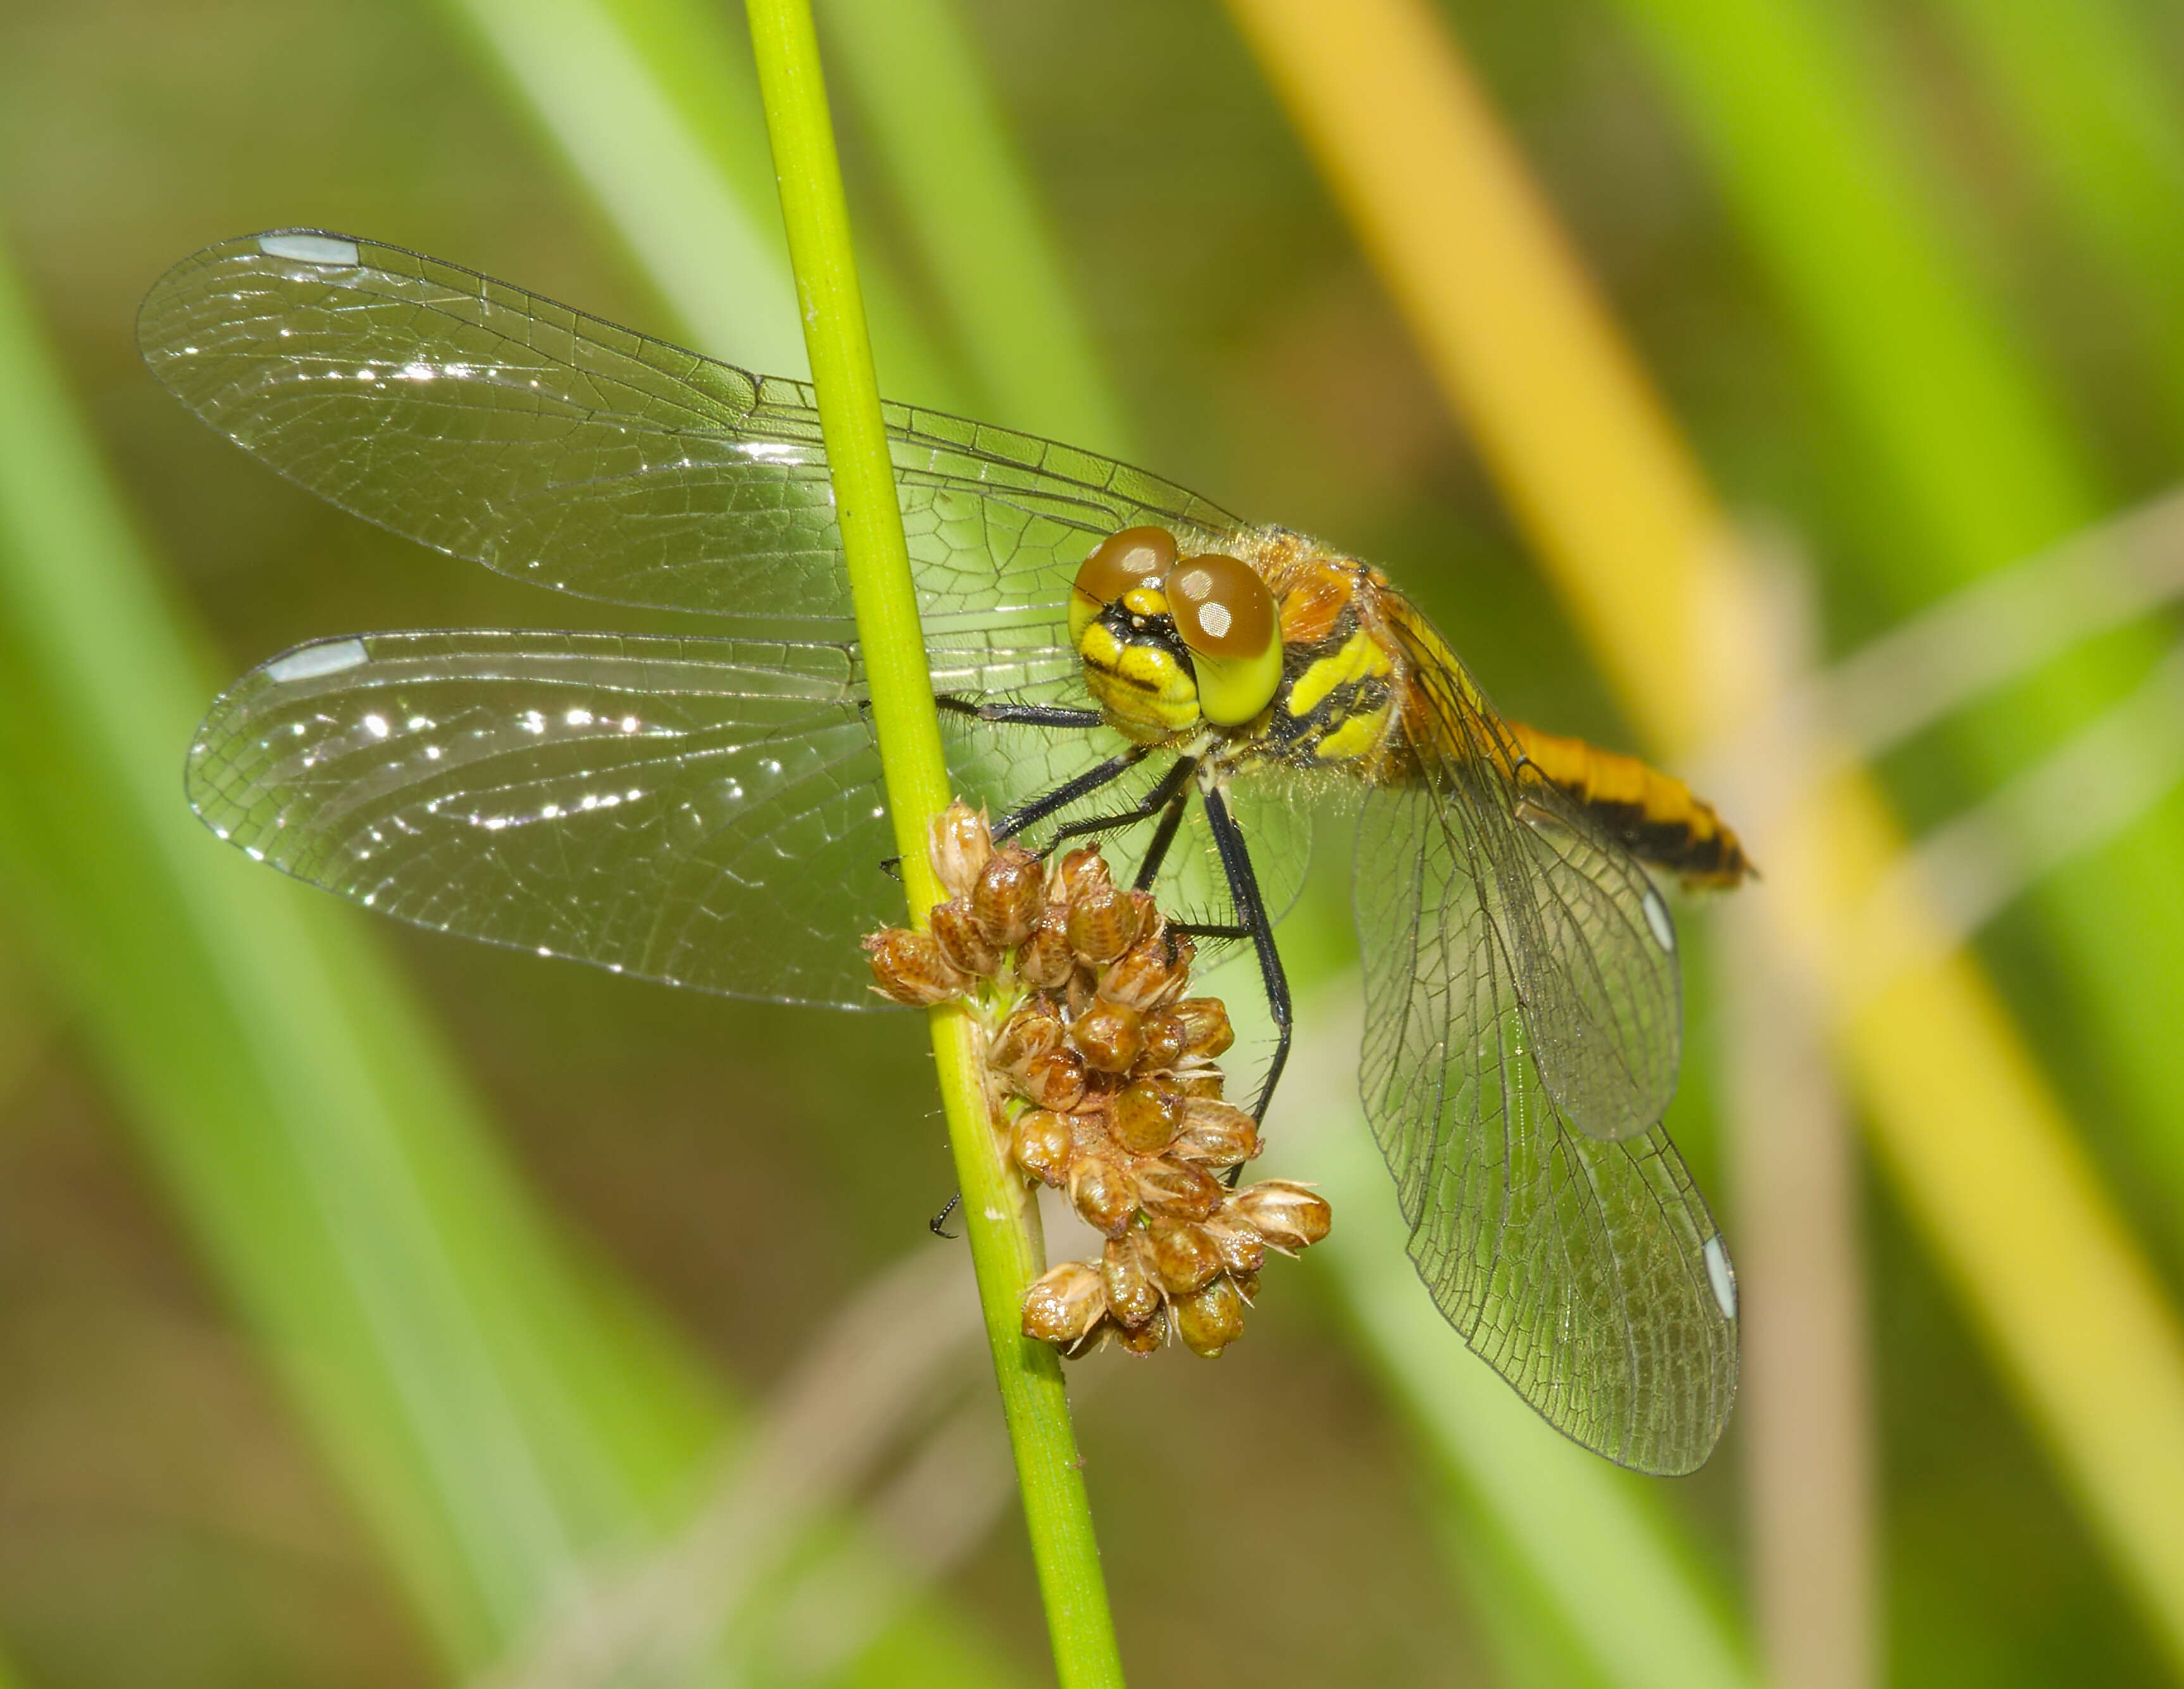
point(1005, 1245)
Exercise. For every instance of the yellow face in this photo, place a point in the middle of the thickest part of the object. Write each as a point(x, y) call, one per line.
point(1168, 643)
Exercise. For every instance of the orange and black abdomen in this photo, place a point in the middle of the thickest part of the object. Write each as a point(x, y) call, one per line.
point(1656, 817)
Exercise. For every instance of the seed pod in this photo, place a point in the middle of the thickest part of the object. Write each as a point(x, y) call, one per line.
point(1146, 1339)
point(1206, 1031)
point(910, 968)
point(1211, 1318)
point(1176, 1189)
point(1064, 1304)
point(1040, 1141)
point(958, 845)
point(1080, 871)
point(1241, 1249)
point(1107, 1035)
point(1183, 954)
point(1103, 923)
point(1126, 1267)
point(1215, 1134)
point(1163, 1039)
point(1101, 1189)
point(1288, 1215)
point(961, 941)
point(1010, 893)
point(1088, 1130)
point(1054, 1080)
point(1184, 1256)
point(1028, 1035)
point(1045, 962)
point(1147, 912)
point(1078, 994)
point(1205, 1081)
point(1145, 1116)
point(1142, 974)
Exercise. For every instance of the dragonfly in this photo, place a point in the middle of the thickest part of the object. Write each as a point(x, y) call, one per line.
point(1112, 654)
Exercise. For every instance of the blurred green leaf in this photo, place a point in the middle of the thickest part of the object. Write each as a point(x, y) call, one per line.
point(1599, 1556)
point(2080, 82)
point(938, 133)
point(653, 106)
point(497, 1413)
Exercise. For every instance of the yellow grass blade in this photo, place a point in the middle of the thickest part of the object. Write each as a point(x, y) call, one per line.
point(1974, 1139)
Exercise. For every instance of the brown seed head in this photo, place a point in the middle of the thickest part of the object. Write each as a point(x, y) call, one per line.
point(1144, 974)
point(911, 967)
point(1146, 1339)
point(1126, 1267)
point(958, 845)
point(1215, 1134)
point(1041, 1143)
point(1175, 1190)
point(1206, 1031)
point(1009, 895)
point(1045, 962)
point(1063, 1305)
point(1241, 1249)
point(1164, 1040)
point(1211, 1318)
point(1101, 1189)
point(1145, 1116)
point(1106, 1034)
point(961, 941)
point(1029, 1033)
point(1079, 871)
point(1184, 1256)
point(1054, 1080)
point(1103, 923)
point(1287, 1214)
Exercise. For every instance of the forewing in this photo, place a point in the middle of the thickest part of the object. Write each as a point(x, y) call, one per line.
point(707, 812)
point(1587, 1272)
point(1587, 940)
point(556, 448)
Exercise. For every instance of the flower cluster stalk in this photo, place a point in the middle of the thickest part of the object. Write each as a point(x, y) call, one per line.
point(998, 1218)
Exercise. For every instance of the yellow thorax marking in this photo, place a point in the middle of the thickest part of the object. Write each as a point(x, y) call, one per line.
point(1361, 656)
point(1354, 737)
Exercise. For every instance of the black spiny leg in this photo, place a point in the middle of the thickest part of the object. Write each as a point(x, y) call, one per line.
point(1164, 835)
point(1038, 716)
point(1168, 793)
point(1024, 715)
point(1251, 915)
point(1091, 780)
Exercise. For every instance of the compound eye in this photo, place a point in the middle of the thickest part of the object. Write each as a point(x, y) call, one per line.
point(1226, 616)
point(1133, 557)
point(1221, 606)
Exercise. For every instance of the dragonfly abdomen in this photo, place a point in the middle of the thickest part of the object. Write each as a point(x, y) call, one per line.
point(1655, 817)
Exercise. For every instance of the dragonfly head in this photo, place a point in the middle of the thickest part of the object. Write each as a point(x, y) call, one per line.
point(1169, 642)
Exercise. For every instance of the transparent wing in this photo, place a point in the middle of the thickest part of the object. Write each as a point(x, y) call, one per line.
point(1587, 940)
point(556, 448)
point(1587, 1272)
point(705, 812)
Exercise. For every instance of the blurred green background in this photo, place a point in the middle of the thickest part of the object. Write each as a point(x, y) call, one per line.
point(375, 1308)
